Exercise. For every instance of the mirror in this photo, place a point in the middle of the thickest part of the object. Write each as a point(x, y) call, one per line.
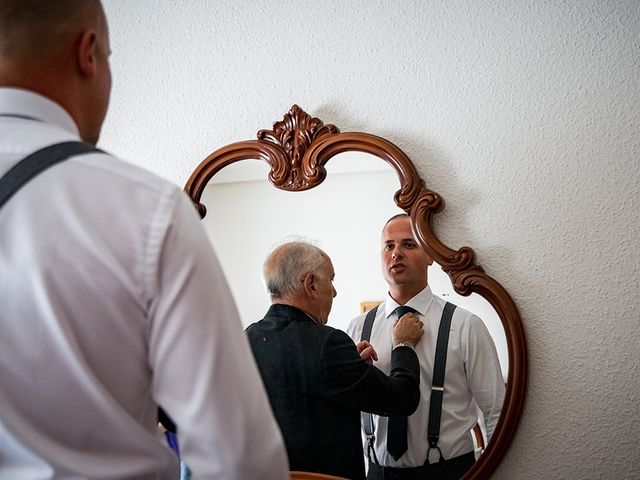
point(301, 154)
point(351, 236)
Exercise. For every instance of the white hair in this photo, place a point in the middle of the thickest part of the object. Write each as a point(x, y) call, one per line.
point(288, 264)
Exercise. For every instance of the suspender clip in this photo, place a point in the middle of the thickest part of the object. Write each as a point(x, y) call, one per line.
point(433, 445)
point(371, 451)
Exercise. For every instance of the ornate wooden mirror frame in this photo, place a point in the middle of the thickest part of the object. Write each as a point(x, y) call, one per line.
point(297, 150)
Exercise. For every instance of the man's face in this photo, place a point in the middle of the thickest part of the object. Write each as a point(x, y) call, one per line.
point(325, 292)
point(404, 262)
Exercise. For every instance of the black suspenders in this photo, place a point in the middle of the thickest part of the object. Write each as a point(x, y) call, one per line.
point(437, 384)
point(366, 417)
point(32, 165)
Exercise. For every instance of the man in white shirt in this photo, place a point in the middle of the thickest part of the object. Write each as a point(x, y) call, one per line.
point(472, 375)
point(112, 302)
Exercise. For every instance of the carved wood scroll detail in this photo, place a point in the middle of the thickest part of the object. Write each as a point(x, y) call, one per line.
point(297, 149)
point(294, 135)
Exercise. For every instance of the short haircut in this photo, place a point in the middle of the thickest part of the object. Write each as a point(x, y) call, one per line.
point(34, 29)
point(288, 264)
point(398, 215)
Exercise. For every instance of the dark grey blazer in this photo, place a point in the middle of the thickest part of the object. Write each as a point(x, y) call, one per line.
point(318, 384)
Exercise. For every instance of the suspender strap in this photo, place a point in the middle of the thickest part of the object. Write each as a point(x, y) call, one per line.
point(368, 324)
point(437, 385)
point(366, 417)
point(37, 162)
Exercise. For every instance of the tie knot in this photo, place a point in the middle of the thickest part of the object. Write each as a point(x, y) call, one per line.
point(402, 309)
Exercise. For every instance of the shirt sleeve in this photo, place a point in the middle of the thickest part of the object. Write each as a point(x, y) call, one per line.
point(483, 373)
point(354, 330)
point(205, 377)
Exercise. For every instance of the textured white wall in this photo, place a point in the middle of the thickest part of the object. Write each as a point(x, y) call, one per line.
point(524, 115)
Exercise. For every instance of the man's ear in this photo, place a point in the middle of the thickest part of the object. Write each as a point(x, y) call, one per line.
point(309, 284)
point(86, 52)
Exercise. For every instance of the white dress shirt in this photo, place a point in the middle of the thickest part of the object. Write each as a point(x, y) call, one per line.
point(112, 302)
point(472, 379)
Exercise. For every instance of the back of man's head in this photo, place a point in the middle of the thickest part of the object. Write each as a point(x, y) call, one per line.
point(59, 49)
point(33, 30)
point(288, 264)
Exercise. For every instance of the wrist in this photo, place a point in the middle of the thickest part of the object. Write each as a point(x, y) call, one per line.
point(404, 344)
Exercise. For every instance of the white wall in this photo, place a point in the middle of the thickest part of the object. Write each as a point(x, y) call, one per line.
point(524, 115)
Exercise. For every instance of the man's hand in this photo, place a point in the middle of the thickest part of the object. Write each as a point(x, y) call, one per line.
point(367, 352)
point(407, 329)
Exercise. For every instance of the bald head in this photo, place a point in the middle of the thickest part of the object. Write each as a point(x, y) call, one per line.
point(59, 49)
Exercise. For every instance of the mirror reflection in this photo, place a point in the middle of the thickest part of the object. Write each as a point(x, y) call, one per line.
point(344, 216)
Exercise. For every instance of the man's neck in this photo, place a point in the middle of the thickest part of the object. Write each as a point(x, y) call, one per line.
point(402, 295)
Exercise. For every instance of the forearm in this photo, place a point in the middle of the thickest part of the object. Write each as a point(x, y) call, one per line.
point(403, 383)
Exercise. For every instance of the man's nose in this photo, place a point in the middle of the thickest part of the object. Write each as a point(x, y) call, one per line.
point(397, 252)
point(335, 292)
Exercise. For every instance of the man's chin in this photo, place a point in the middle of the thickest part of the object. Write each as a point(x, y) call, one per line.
point(397, 277)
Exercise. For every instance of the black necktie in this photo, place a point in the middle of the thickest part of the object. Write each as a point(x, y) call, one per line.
point(397, 426)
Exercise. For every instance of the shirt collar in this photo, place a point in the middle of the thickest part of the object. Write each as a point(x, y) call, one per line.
point(30, 104)
point(421, 302)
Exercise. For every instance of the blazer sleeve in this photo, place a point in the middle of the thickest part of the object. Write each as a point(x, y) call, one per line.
point(351, 382)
